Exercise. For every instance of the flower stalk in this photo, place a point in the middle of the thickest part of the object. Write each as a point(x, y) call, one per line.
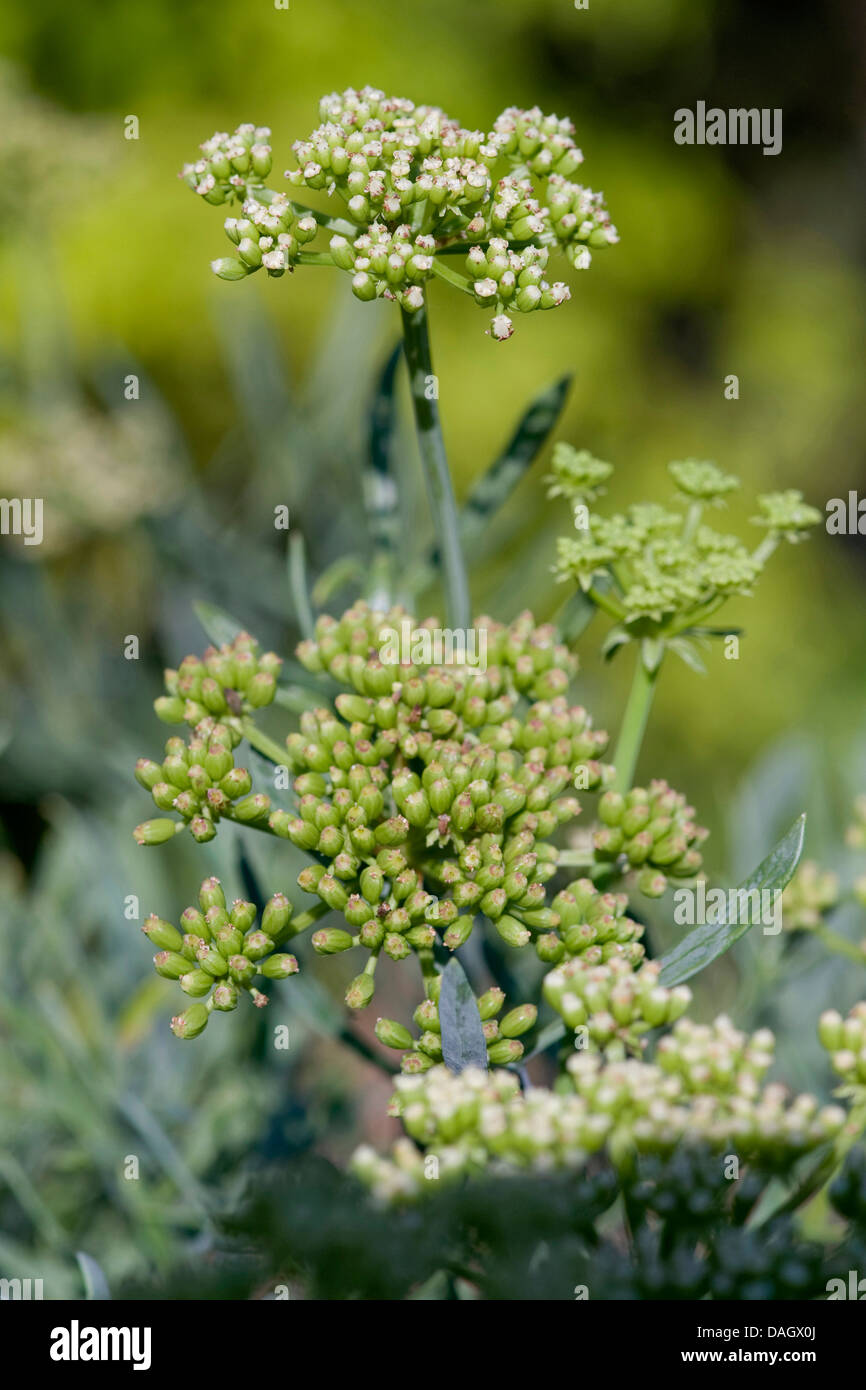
point(416, 340)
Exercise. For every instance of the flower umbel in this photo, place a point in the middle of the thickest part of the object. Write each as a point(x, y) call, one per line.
point(413, 185)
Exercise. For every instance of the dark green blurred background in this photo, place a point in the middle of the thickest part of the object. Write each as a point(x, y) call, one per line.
point(254, 394)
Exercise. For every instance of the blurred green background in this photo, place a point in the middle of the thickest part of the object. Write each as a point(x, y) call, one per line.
point(255, 394)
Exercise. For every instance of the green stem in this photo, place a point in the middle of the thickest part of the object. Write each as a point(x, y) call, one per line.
point(692, 521)
point(834, 941)
point(308, 919)
point(633, 725)
point(607, 604)
point(416, 341)
point(268, 746)
point(315, 258)
point(452, 277)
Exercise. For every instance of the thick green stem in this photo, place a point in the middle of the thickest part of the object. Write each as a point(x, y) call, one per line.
point(416, 340)
point(268, 746)
point(307, 919)
point(634, 725)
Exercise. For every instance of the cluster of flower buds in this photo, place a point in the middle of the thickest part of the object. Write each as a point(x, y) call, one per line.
point(502, 1036)
point(218, 953)
point(593, 926)
point(392, 264)
point(200, 781)
point(810, 894)
point(613, 1001)
point(703, 1090)
point(407, 854)
point(504, 280)
point(717, 1057)
point(845, 1040)
point(395, 167)
point(230, 165)
point(228, 682)
point(461, 1124)
point(655, 829)
point(269, 236)
point(576, 474)
point(786, 515)
point(664, 568)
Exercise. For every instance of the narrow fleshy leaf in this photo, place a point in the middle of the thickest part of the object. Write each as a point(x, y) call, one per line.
point(297, 568)
point(709, 941)
point(220, 626)
point(381, 496)
point(463, 1043)
point(95, 1282)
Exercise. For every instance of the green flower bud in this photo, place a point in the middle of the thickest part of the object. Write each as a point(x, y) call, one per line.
point(156, 832)
point(396, 946)
point(257, 944)
point(413, 1063)
point(162, 934)
point(211, 894)
point(426, 1017)
point(459, 932)
point(276, 918)
point(252, 808)
point(421, 937)
point(518, 1021)
point(549, 948)
point(279, 967)
point(228, 941)
point(393, 1034)
point(170, 964)
point(431, 1045)
point(225, 997)
point(190, 1023)
point(148, 773)
point(505, 1051)
point(360, 991)
point(169, 708)
point(196, 983)
point(210, 960)
point(392, 832)
point(242, 970)
point(329, 940)
point(490, 1003)
point(236, 783)
point(511, 931)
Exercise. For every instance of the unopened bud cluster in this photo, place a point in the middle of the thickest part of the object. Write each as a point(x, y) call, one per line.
point(811, 893)
point(411, 855)
point(199, 779)
point(654, 828)
point(218, 952)
point(411, 181)
point(664, 566)
point(705, 1089)
point(201, 782)
point(615, 1002)
point(592, 926)
point(845, 1040)
point(502, 1036)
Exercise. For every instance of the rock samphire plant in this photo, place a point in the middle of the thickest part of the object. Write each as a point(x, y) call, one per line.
point(437, 773)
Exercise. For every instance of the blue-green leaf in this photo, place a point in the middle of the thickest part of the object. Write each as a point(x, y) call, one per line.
point(95, 1282)
point(709, 941)
point(463, 1043)
point(220, 626)
point(298, 585)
